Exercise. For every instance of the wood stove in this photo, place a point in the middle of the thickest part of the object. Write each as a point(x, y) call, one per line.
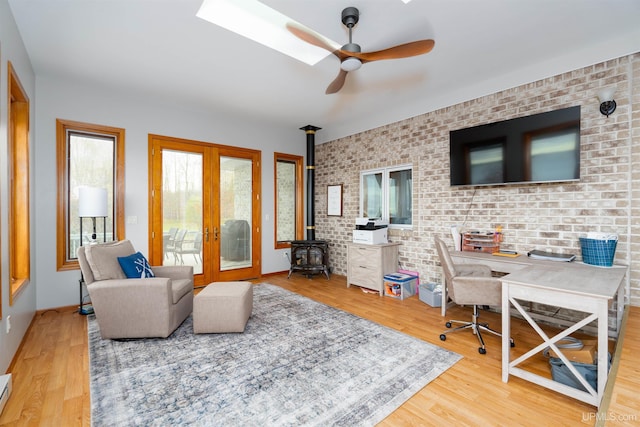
point(310, 256)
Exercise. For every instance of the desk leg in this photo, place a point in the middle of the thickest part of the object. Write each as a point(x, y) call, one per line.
point(603, 348)
point(620, 308)
point(506, 332)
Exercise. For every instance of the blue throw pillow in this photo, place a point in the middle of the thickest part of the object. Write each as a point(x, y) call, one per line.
point(135, 266)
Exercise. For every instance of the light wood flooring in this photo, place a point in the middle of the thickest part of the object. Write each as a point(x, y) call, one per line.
point(51, 380)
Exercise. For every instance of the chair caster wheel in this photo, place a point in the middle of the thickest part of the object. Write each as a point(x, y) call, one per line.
point(443, 337)
point(482, 350)
point(512, 343)
point(448, 324)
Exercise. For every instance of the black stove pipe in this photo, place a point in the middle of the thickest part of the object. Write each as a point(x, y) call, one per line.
point(311, 193)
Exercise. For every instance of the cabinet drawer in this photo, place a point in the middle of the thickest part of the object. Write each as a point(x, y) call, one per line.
point(361, 256)
point(365, 277)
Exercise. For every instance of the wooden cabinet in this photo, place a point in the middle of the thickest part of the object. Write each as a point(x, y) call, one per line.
point(367, 264)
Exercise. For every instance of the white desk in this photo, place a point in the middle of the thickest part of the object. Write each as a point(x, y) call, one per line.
point(569, 285)
point(511, 265)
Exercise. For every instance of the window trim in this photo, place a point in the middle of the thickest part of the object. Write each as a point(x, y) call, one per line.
point(299, 201)
point(385, 193)
point(62, 167)
point(19, 186)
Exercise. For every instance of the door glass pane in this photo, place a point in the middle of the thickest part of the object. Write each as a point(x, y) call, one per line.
point(182, 209)
point(236, 212)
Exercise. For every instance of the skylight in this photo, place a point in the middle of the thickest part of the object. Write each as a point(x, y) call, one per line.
point(260, 23)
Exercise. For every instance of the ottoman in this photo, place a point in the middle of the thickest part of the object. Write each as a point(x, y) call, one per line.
point(222, 307)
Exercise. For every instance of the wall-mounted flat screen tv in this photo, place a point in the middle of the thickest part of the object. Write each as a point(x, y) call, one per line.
point(538, 148)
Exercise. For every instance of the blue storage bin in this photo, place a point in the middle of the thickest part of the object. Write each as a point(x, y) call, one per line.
point(398, 285)
point(598, 252)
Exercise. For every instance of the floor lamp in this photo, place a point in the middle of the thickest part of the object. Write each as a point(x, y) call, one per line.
point(92, 203)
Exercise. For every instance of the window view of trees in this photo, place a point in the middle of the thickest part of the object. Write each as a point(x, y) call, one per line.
point(92, 156)
point(91, 160)
point(181, 190)
point(182, 211)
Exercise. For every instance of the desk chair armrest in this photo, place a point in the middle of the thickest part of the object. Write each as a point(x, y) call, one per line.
point(472, 270)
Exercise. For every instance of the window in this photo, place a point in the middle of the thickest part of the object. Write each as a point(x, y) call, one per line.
point(19, 235)
point(388, 194)
point(88, 155)
point(288, 199)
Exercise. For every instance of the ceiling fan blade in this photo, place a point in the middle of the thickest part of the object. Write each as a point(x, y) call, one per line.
point(337, 83)
point(314, 39)
point(406, 50)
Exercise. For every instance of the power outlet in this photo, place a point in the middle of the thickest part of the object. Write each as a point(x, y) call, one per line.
point(8, 324)
point(284, 254)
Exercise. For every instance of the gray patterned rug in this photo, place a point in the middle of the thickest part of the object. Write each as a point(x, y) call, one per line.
point(298, 362)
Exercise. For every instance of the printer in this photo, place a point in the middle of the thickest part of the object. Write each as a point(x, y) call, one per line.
point(370, 231)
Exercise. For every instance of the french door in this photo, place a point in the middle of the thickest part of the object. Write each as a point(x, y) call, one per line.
point(205, 208)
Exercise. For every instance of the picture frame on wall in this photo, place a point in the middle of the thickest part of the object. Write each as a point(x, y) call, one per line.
point(334, 200)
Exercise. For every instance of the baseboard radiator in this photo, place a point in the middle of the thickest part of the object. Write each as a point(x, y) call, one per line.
point(5, 390)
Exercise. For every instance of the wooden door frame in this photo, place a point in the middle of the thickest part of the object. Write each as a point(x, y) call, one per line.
point(210, 205)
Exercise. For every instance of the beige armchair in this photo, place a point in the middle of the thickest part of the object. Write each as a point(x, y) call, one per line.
point(134, 308)
point(469, 284)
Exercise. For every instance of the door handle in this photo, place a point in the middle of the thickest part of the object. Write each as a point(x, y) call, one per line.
point(206, 233)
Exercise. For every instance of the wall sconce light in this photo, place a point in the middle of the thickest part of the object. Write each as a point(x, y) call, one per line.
point(607, 104)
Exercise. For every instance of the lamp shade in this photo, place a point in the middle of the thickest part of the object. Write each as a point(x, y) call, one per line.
point(606, 94)
point(92, 202)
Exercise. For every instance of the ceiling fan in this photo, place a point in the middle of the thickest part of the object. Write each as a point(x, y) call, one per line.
point(350, 55)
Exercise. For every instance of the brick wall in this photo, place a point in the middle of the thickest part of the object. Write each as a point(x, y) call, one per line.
point(541, 216)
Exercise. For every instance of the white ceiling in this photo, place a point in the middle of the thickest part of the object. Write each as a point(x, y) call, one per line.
point(160, 48)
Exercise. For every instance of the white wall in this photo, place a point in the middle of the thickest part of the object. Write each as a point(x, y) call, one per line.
point(23, 307)
point(138, 115)
point(63, 99)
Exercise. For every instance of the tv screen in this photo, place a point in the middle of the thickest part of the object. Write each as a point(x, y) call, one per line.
point(539, 148)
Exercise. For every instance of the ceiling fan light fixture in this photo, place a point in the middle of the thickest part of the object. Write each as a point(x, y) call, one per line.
point(351, 64)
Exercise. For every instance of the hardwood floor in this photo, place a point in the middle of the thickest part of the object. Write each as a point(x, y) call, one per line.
point(51, 380)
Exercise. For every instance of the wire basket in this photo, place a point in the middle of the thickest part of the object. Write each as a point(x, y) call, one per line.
point(598, 252)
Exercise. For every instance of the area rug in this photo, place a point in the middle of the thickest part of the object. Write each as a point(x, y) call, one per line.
point(299, 362)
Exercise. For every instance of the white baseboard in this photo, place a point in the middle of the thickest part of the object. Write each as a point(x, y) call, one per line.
point(5, 390)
